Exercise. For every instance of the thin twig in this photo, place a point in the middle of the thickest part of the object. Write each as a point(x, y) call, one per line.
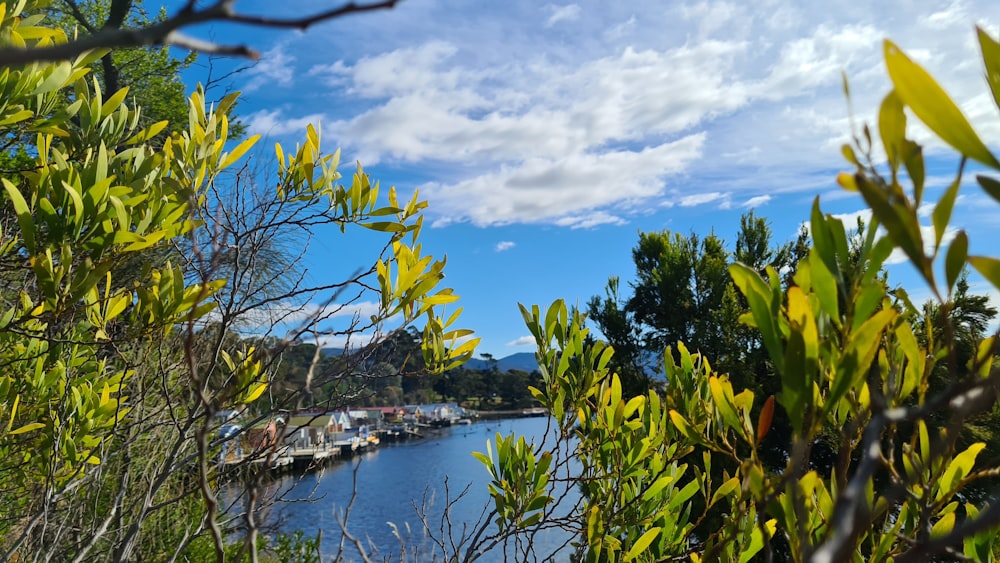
point(167, 32)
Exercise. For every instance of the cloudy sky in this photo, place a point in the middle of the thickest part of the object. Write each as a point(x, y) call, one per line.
point(546, 136)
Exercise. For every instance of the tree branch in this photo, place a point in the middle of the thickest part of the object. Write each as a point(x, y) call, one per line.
point(166, 32)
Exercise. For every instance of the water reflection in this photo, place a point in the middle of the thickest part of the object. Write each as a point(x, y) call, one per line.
point(393, 483)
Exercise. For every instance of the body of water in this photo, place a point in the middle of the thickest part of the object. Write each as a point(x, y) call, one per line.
point(396, 480)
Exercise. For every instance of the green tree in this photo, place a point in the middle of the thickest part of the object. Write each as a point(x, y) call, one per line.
point(847, 353)
point(109, 390)
point(151, 74)
point(620, 328)
point(683, 292)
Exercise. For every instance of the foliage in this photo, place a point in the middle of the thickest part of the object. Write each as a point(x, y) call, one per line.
point(110, 380)
point(297, 548)
point(151, 74)
point(683, 292)
point(855, 362)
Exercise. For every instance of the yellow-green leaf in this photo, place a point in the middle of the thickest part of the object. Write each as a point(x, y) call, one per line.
point(955, 259)
point(238, 152)
point(724, 404)
point(725, 489)
point(943, 526)
point(642, 543)
point(28, 428)
point(991, 60)
point(990, 186)
point(892, 128)
point(114, 101)
point(24, 219)
point(959, 468)
point(16, 117)
point(918, 90)
point(56, 79)
point(941, 215)
point(988, 267)
point(255, 392)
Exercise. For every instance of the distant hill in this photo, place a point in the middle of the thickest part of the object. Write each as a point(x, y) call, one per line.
point(332, 352)
point(524, 361)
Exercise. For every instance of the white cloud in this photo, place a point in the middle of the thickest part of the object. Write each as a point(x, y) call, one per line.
point(570, 191)
point(275, 67)
point(522, 341)
point(808, 62)
point(757, 201)
point(504, 245)
point(621, 30)
point(954, 14)
point(362, 309)
point(588, 220)
point(272, 122)
point(287, 315)
point(927, 234)
point(565, 13)
point(519, 127)
point(700, 199)
point(351, 342)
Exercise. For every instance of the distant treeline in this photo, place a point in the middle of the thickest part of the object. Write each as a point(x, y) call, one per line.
point(392, 374)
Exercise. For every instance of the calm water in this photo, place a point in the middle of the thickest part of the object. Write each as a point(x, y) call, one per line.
point(391, 479)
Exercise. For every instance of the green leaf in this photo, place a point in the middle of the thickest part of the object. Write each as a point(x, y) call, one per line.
point(682, 496)
point(681, 425)
point(941, 215)
point(959, 468)
point(913, 158)
point(757, 540)
point(988, 267)
point(16, 117)
point(989, 185)
point(824, 285)
point(991, 60)
point(56, 79)
point(849, 155)
point(24, 219)
point(255, 392)
point(147, 133)
point(753, 287)
point(900, 221)
point(823, 243)
point(484, 460)
point(892, 128)
point(724, 404)
point(918, 90)
point(642, 543)
point(725, 489)
point(385, 226)
point(955, 259)
point(28, 428)
point(915, 359)
point(114, 101)
point(858, 356)
point(796, 394)
point(984, 356)
point(657, 487)
point(943, 526)
point(238, 152)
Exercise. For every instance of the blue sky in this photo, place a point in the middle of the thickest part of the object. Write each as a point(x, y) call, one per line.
point(546, 136)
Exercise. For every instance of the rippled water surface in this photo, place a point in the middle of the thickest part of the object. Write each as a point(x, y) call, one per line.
point(391, 479)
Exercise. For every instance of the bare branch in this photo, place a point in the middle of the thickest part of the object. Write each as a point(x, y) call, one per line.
point(112, 36)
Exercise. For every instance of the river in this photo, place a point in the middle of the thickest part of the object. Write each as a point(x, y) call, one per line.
point(395, 478)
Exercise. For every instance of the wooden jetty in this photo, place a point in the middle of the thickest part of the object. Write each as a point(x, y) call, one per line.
point(315, 456)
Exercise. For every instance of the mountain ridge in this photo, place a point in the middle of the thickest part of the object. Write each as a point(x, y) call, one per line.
point(524, 361)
